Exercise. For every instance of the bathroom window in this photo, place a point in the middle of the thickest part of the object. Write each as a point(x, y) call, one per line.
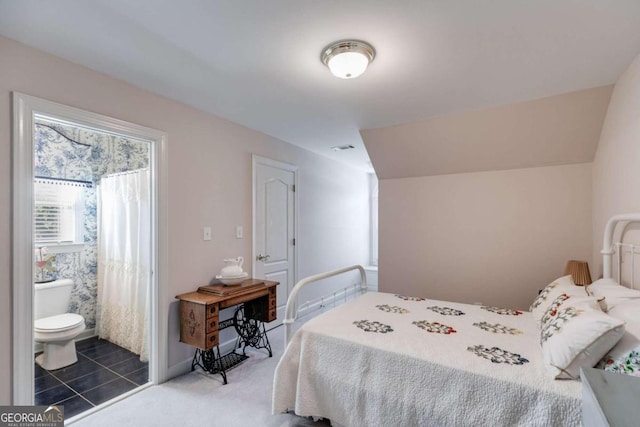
point(58, 213)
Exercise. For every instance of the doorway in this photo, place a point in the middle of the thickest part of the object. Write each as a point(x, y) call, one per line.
point(275, 226)
point(33, 115)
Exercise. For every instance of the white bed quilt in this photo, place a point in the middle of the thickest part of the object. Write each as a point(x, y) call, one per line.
point(391, 360)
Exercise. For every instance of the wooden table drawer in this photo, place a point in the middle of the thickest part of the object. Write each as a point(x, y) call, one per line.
point(212, 310)
point(212, 324)
point(212, 340)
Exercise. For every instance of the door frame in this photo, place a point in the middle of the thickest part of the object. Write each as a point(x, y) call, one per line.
point(259, 160)
point(25, 108)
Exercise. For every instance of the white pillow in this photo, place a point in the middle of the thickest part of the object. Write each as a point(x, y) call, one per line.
point(627, 310)
point(613, 292)
point(563, 285)
point(624, 357)
point(575, 333)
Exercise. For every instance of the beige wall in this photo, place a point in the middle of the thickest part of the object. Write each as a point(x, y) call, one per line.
point(557, 130)
point(491, 237)
point(616, 167)
point(209, 182)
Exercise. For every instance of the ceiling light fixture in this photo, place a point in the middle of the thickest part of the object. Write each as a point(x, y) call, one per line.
point(348, 59)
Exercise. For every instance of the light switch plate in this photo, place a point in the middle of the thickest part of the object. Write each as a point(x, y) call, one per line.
point(206, 233)
point(239, 232)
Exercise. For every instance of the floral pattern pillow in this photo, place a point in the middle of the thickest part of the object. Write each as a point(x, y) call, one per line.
point(563, 285)
point(629, 364)
point(576, 333)
point(624, 357)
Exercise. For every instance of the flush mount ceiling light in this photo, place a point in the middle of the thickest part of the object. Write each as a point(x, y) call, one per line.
point(348, 59)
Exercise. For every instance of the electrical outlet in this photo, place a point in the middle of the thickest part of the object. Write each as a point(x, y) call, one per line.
point(206, 233)
point(239, 232)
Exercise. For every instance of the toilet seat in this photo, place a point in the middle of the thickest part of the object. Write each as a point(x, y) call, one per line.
point(58, 323)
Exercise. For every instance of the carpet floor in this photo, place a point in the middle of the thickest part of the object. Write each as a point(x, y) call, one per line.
point(200, 399)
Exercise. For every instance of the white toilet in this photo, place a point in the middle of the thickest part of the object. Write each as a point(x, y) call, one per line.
point(53, 326)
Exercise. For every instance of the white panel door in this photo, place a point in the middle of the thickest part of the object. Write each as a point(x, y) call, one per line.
point(274, 227)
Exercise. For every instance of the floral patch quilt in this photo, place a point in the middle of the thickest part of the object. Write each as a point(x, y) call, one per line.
point(386, 359)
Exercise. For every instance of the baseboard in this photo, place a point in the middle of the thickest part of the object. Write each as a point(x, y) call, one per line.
point(184, 367)
point(179, 368)
point(87, 333)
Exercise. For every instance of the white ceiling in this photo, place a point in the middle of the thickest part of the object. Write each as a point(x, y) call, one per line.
point(257, 62)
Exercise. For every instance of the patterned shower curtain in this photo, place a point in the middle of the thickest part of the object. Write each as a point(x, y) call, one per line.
point(124, 261)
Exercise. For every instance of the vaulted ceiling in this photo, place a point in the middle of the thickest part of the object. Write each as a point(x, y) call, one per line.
point(257, 62)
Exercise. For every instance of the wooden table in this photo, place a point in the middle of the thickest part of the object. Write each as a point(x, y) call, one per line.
point(200, 324)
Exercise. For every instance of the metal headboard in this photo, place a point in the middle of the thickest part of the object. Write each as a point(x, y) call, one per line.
point(609, 247)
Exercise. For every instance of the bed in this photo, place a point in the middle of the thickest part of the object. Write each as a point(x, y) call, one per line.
point(388, 359)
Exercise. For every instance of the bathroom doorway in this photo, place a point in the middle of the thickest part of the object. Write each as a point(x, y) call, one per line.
point(85, 174)
point(92, 245)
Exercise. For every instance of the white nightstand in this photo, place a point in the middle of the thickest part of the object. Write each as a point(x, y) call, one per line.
point(609, 399)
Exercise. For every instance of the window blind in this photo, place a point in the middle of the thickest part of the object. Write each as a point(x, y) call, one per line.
point(55, 210)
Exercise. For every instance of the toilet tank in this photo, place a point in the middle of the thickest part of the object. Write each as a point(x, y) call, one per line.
point(52, 298)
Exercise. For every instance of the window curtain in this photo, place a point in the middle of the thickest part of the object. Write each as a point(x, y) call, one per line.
point(124, 261)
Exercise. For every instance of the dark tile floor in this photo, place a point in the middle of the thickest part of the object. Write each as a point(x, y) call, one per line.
point(103, 371)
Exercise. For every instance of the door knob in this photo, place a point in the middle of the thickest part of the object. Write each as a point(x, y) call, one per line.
point(261, 257)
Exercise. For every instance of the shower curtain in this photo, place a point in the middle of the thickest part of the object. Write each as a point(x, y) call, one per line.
point(124, 260)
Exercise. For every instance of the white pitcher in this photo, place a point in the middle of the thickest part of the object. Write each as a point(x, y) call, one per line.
point(233, 267)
